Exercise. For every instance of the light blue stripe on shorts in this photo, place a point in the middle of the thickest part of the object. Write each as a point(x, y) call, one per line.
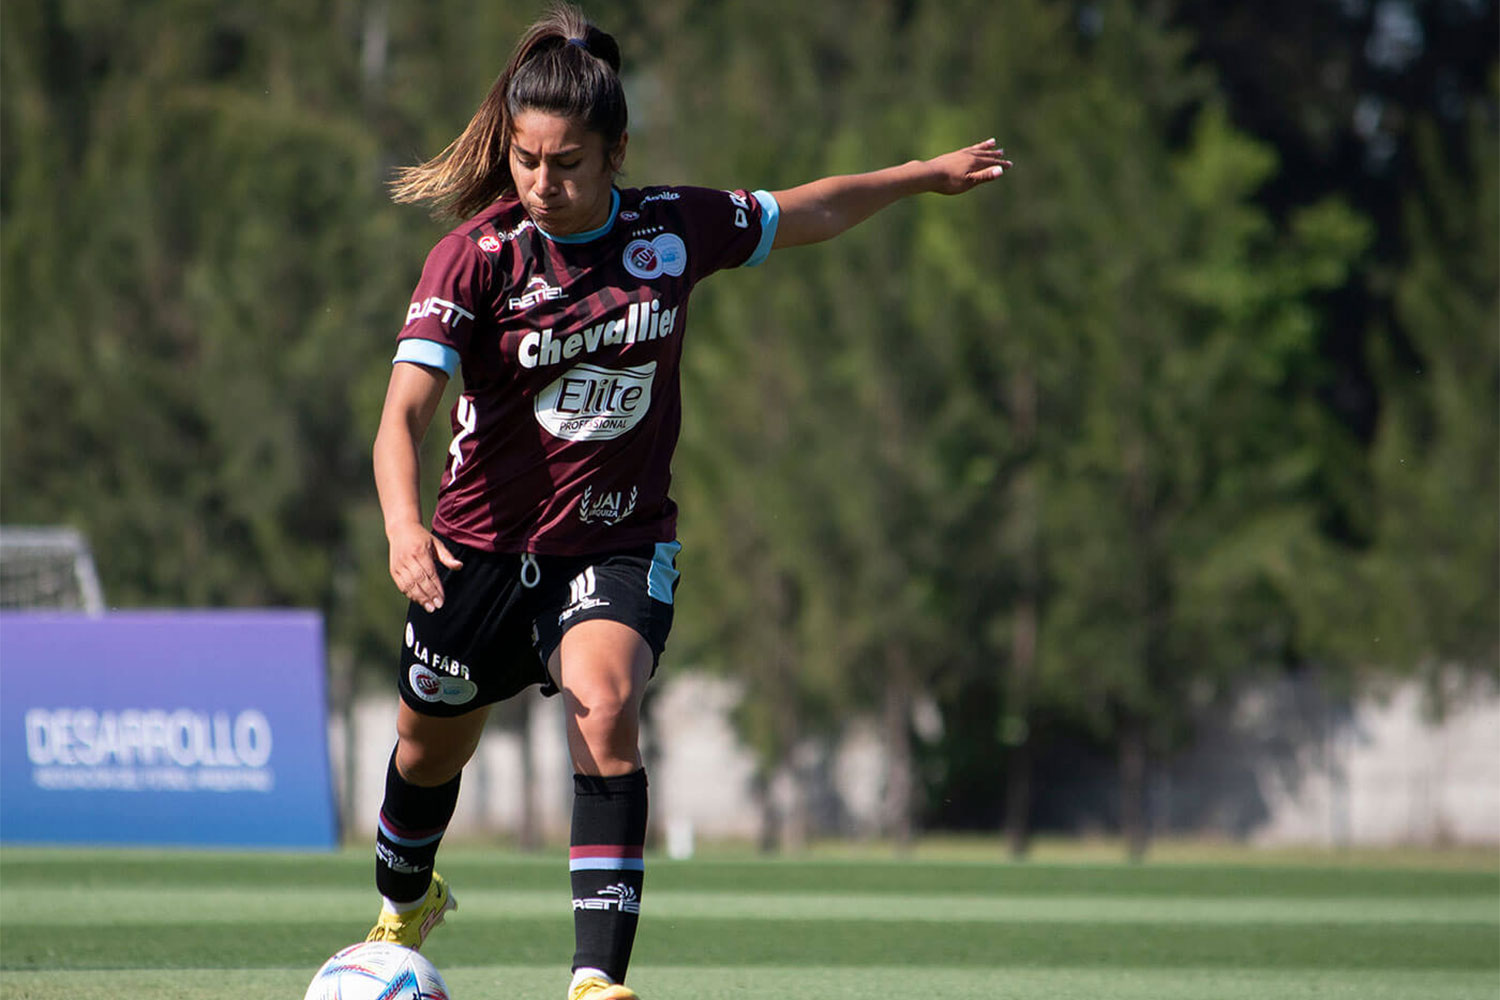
point(663, 573)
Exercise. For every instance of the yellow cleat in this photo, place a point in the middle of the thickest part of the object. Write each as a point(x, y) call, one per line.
point(412, 927)
point(595, 988)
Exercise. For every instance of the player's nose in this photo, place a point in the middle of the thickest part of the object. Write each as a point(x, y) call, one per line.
point(544, 183)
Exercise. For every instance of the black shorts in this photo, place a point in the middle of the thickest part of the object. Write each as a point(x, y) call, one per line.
point(504, 615)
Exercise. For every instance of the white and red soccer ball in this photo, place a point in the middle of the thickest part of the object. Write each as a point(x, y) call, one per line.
point(377, 970)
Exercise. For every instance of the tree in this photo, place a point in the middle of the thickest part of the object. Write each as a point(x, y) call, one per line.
point(1435, 542)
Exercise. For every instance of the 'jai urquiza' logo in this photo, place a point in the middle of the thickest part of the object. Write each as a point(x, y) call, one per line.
point(610, 508)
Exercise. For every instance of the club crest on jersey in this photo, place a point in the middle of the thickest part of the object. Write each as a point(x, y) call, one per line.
point(664, 254)
point(594, 403)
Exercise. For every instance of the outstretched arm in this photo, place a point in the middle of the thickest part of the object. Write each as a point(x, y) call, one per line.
point(820, 210)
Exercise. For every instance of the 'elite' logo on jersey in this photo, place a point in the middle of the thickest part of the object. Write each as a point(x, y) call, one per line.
point(593, 403)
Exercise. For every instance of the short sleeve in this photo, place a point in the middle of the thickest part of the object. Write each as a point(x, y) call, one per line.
point(727, 228)
point(444, 308)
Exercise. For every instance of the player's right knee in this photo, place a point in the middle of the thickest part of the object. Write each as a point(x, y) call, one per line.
point(427, 765)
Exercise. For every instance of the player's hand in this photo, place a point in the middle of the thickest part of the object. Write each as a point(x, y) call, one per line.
point(415, 553)
point(967, 168)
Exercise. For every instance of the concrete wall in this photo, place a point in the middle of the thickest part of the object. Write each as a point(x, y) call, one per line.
point(1285, 765)
point(1380, 771)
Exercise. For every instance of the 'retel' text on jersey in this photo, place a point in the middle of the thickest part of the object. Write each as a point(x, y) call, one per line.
point(569, 349)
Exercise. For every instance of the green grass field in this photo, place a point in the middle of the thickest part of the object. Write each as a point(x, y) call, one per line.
point(132, 925)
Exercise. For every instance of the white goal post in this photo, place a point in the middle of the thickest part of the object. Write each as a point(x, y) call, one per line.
point(48, 568)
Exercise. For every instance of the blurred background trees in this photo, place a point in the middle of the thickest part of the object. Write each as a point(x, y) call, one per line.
point(1205, 390)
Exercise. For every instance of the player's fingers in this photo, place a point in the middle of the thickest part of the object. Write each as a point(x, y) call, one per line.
point(986, 174)
point(431, 590)
point(418, 581)
point(444, 556)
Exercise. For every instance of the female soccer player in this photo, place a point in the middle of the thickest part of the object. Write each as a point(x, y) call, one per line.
point(551, 557)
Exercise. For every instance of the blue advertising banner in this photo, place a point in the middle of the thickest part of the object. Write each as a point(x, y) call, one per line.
point(181, 728)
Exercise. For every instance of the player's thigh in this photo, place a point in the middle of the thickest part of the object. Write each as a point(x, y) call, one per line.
point(602, 666)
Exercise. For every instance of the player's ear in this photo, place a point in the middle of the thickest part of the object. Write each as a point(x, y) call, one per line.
point(616, 156)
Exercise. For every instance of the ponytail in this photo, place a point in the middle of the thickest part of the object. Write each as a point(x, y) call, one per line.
point(564, 66)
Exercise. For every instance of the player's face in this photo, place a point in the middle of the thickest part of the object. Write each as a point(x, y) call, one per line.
point(563, 172)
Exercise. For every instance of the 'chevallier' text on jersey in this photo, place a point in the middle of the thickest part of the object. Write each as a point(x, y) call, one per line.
point(563, 436)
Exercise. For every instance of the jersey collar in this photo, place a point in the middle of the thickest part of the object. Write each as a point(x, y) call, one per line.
point(592, 234)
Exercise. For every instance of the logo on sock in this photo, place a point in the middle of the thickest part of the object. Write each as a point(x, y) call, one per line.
point(619, 897)
point(396, 862)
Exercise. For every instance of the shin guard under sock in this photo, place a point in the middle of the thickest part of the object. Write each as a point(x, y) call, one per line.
point(606, 867)
point(412, 822)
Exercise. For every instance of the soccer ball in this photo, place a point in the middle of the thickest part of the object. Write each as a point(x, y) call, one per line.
point(377, 970)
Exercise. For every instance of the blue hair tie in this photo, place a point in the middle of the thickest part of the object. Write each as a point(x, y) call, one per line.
point(580, 43)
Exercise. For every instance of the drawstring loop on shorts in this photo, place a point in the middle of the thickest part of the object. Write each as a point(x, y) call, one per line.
point(531, 573)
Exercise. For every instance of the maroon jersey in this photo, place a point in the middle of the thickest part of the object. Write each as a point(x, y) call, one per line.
point(563, 436)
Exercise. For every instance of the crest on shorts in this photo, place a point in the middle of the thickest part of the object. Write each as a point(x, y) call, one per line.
point(429, 685)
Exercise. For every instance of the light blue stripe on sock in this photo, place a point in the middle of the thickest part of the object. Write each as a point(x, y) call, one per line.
point(606, 865)
point(663, 573)
point(404, 842)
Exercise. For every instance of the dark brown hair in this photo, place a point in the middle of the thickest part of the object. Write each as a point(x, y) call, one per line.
point(563, 65)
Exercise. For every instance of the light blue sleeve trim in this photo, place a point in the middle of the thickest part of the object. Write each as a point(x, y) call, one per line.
point(429, 353)
point(770, 215)
point(661, 579)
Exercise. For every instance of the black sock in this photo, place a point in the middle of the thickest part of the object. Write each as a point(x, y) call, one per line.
point(412, 822)
point(609, 830)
